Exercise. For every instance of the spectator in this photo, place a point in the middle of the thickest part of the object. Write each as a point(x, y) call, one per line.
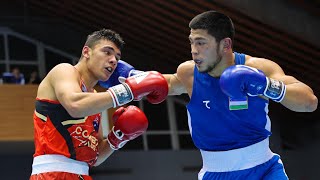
point(13, 77)
point(34, 78)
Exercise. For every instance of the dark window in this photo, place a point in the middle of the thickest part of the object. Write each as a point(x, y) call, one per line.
point(52, 59)
point(186, 142)
point(181, 117)
point(21, 50)
point(2, 68)
point(136, 144)
point(157, 115)
point(159, 142)
point(1, 47)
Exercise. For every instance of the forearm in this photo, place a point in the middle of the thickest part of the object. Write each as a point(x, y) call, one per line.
point(84, 104)
point(300, 98)
point(104, 152)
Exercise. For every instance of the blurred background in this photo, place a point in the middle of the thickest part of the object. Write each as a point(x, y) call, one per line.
point(36, 35)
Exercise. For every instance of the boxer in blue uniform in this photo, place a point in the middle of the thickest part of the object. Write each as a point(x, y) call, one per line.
point(229, 96)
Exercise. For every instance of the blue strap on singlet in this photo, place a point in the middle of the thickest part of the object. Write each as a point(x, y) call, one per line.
point(239, 58)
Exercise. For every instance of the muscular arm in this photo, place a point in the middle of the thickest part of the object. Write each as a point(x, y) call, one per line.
point(181, 81)
point(64, 80)
point(299, 96)
point(175, 85)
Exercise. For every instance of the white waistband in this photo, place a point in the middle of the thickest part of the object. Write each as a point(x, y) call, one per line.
point(58, 163)
point(237, 159)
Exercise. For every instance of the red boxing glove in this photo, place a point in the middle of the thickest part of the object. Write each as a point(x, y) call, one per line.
point(151, 84)
point(129, 123)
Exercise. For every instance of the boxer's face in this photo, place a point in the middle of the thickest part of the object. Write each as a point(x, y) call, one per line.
point(204, 50)
point(103, 58)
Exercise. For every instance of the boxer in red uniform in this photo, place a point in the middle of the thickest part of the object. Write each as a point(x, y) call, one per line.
point(67, 131)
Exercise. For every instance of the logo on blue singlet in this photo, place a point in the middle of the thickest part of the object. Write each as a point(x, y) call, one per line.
point(207, 104)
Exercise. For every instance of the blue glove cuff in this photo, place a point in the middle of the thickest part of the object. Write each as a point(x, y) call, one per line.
point(134, 72)
point(275, 90)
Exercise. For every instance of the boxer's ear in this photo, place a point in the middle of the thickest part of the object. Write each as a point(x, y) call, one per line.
point(86, 51)
point(226, 43)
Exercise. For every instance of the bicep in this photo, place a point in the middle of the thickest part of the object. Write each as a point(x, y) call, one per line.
point(274, 71)
point(65, 84)
point(270, 69)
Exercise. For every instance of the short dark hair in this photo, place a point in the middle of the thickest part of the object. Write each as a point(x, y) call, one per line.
point(217, 24)
point(106, 34)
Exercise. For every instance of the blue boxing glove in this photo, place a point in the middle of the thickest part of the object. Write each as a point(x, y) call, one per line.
point(239, 81)
point(122, 72)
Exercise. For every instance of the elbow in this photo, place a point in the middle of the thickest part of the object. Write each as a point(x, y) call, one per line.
point(312, 104)
point(74, 110)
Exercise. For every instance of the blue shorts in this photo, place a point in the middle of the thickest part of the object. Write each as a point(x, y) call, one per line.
point(270, 170)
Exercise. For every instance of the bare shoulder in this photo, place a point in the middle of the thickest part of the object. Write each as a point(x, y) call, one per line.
point(187, 64)
point(62, 69)
point(185, 69)
point(62, 73)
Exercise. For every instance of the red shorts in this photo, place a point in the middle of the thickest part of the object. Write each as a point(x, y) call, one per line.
point(59, 176)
